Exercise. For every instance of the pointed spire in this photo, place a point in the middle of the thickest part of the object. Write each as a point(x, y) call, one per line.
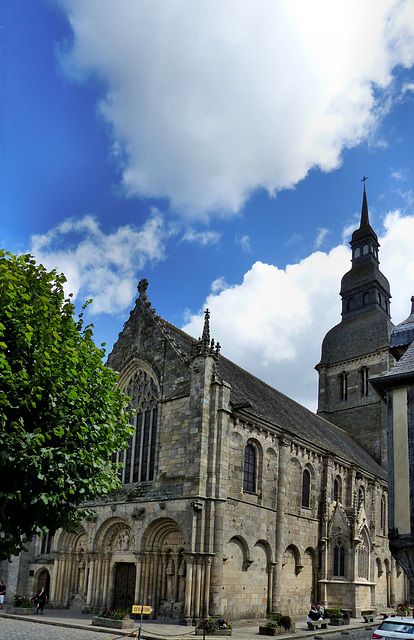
point(206, 328)
point(364, 211)
point(204, 346)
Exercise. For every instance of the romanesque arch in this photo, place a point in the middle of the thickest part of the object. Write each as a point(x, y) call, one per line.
point(164, 568)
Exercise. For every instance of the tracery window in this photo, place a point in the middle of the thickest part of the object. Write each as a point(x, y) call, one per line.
point(306, 489)
point(339, 559)
point(363, 561)
point(139, 457)
point(249, 469)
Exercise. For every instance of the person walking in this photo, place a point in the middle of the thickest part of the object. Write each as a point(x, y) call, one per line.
point(2, 593)
point(40, 600)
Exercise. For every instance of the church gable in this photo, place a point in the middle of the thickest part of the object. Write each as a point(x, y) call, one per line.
point(147, 344)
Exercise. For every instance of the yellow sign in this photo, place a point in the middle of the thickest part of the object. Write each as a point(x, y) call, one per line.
point(139, 608)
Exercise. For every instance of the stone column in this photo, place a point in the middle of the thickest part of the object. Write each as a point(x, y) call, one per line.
point(217, 513)
point(207, 581)
point(392, 583)
point(280, 538)
point(145, 586)
point(56, 573)
point(107, 567)
point(138, 597)
point(89, 595)
point(197, 599)
point(188, 589)
point(62, 575)
point(271, 567)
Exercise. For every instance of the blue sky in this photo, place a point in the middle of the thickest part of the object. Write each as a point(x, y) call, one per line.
point(216, 149)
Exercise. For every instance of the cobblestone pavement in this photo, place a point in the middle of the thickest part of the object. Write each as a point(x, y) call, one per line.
point(23, 629)
point(12, 629)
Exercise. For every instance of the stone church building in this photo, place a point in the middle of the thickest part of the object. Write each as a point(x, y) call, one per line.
point(236, 501)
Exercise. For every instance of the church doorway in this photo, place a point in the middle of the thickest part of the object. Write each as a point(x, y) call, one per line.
point(43, 580)
point(124, 587)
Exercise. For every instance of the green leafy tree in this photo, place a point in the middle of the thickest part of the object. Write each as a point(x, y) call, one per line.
point(61, 414)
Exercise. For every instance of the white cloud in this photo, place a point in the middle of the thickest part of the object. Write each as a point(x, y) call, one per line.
point(201, 237)
point(273, 323)
point(244, 242)
point(98, 265)
point(322, 233)
point(207, 101)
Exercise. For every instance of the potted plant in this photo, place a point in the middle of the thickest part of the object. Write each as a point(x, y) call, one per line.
point(337, 616)
point(404, 609)
point(22, 606)
point(276, 624)
point(217, 626)
point(115, 619)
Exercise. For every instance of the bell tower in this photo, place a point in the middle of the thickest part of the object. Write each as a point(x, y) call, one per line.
point(358, 347)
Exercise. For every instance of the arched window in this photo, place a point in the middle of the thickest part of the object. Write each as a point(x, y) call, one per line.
point(363, 557)
point(383, 514)
point(361, 497)
point(364, 381)
point(139, 458)
point(351, 304)
point(365, 298)
point(365, 249)
point(357, 252)
point(343, 379)
point(46, 543)
point(337, 489)
point(339, 559)
point(306, 489)
point(249, 472)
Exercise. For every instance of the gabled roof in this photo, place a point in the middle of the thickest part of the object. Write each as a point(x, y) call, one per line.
point(262, 401)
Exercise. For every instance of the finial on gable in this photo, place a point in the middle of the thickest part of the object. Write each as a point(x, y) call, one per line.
point(204, 345)
point(206, 328)
point(142, 288)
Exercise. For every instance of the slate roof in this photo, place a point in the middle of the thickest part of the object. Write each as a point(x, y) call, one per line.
point(263, 401)
point(404, 366)
point(403, 333)
point(356, 337)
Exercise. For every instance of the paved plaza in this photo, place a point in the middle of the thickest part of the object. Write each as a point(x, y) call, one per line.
point(70, 625)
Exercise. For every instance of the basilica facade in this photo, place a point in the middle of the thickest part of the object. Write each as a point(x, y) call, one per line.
point(236, 501)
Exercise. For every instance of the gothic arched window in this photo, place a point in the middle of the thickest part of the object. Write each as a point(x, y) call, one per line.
point(249, 469)
point(383, 514)
point(139, 458)
point(337, 489)
point(306, 489)
point(339, 559)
